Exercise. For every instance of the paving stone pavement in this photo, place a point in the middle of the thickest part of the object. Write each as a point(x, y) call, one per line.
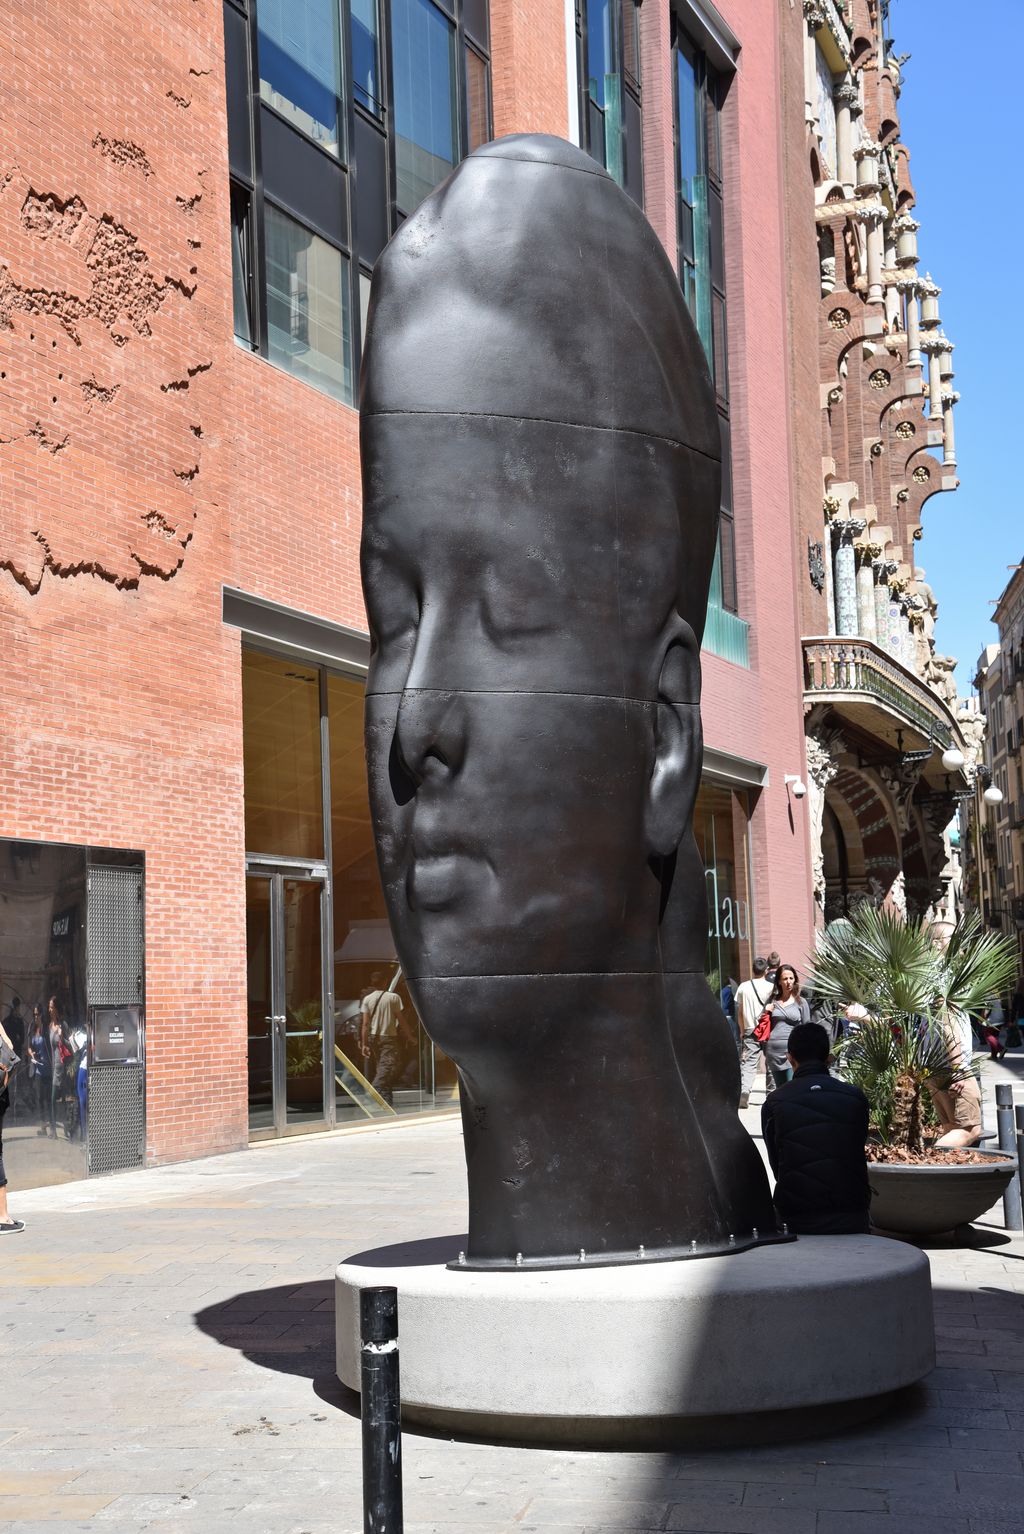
point(168, 1351)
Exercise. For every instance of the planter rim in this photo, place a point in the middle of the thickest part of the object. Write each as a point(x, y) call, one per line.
point(995, 1159)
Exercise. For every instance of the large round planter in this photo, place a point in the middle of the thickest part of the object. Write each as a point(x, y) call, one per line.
point(926, 1200)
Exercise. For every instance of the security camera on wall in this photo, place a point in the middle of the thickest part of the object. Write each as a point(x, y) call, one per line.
point(796, 785)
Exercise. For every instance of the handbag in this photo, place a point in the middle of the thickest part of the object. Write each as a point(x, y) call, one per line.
point(763, 1026)
point(9, 1062)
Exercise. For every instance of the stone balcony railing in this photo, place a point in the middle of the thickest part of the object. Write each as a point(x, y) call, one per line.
point(857, 670)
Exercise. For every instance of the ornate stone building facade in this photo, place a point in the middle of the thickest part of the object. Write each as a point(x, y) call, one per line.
point(995, 843)
point(873, 442)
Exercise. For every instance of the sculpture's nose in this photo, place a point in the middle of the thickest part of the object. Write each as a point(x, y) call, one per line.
point(430, 734)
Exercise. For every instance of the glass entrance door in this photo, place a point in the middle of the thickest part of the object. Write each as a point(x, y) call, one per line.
point(285, 915)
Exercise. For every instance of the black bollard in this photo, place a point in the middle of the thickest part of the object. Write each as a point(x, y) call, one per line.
point(1018, 1114)
point(381, 1411)
point(1013, 1216)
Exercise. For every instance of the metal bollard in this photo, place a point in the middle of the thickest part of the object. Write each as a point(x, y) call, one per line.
point(381, 1411)
point(1013, 1214)
point(1018, 1114)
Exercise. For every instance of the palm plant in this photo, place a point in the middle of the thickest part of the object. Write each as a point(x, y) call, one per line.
point(917, 992)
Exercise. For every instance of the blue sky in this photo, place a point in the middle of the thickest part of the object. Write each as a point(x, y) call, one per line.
point(960, 117)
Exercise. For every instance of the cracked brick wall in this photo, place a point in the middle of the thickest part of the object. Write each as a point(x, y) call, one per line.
point(146, 461)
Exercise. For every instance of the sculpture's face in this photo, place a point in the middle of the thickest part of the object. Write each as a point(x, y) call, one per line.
point(522, 616)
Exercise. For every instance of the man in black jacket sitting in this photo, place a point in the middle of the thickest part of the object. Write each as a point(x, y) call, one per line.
point(814, 1131)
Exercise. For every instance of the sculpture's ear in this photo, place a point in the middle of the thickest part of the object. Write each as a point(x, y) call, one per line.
point(678, 745)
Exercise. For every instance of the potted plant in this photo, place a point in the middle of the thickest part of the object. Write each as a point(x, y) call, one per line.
point(918, 991)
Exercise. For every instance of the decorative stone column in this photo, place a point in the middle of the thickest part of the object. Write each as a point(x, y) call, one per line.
point(823, 747)
point(867, 620)
point(949, 398)
point(908, 285)
point(846, 96)
point(905, 230)
point(866, 156)
point(845, 532)
point(892, 294)
point(870, 214)
point(929, 303)
point(814, 17)
point(882, 569)
point(831, 506)
point(933, 344)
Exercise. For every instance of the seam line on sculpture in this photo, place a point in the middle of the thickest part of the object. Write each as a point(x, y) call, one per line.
point(526, 692)
point(520, 159)
point(571, 974)
point(546, 420)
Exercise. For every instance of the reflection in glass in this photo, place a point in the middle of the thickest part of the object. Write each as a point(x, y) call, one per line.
point(281, 749)
point(303, 1001)
point(300, 65)
point(720, 823)
point(43, 1003)
point(308, 329)
point(425, 108)
point(260, 1006)
point(366, 55)
point(477, 97)
point(241, 265)
point(415, 1076)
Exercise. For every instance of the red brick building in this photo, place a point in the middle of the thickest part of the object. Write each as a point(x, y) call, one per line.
point(186, 248)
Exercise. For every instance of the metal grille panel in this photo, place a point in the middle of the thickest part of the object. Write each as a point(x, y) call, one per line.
point(114, 936)
point(116, 1118)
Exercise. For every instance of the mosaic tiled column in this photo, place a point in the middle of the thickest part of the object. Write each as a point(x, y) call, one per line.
point(883, 569)
point(846, 575)
point(896, 625)
point(866, 620)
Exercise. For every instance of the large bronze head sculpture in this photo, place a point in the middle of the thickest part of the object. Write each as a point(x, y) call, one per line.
point(541, 467)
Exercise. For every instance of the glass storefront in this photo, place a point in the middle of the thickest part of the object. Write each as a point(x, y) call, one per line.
point(721, 826)
point(319, 942)
point(71, 1003)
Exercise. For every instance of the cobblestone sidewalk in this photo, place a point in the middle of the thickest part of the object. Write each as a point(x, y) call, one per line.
point(168, 1365)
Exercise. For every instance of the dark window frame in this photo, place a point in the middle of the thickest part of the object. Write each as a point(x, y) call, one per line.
point(355, 223)
point(631, 155)
point(697, 244)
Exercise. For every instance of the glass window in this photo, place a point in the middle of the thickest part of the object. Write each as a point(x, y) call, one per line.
point(307, 305)
point(281, 753)
point(478, 98)
point(366, 55)
point(72, 989)
point(691, 121)
point(300, 65)
point(601, 49)
point(720, 825)
point(241, 264)
point(414, 1075)
point(631, 42)
point(425, 106)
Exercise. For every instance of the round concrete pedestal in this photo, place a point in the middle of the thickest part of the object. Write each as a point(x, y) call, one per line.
point(665, 1353)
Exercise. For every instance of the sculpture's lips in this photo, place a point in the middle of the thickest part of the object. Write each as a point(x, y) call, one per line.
point(436, 881)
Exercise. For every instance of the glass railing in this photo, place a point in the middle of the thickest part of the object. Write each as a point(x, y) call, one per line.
point(727, 635)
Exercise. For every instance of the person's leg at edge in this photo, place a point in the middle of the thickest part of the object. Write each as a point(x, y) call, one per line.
point(7, 1224)
point(750, 1057)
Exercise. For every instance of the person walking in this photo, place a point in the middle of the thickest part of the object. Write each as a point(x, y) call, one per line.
point(773, 966)
point(60, 1053)
point(751, 1000)
point(8, 1225)
point(40, 1066)
point(815, 1129)
point(787, 1008)
point(381, 1032)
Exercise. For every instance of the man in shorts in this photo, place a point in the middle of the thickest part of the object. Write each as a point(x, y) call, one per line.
point(381, 1031)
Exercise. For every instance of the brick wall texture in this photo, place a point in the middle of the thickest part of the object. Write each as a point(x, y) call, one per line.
point(146, 461)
